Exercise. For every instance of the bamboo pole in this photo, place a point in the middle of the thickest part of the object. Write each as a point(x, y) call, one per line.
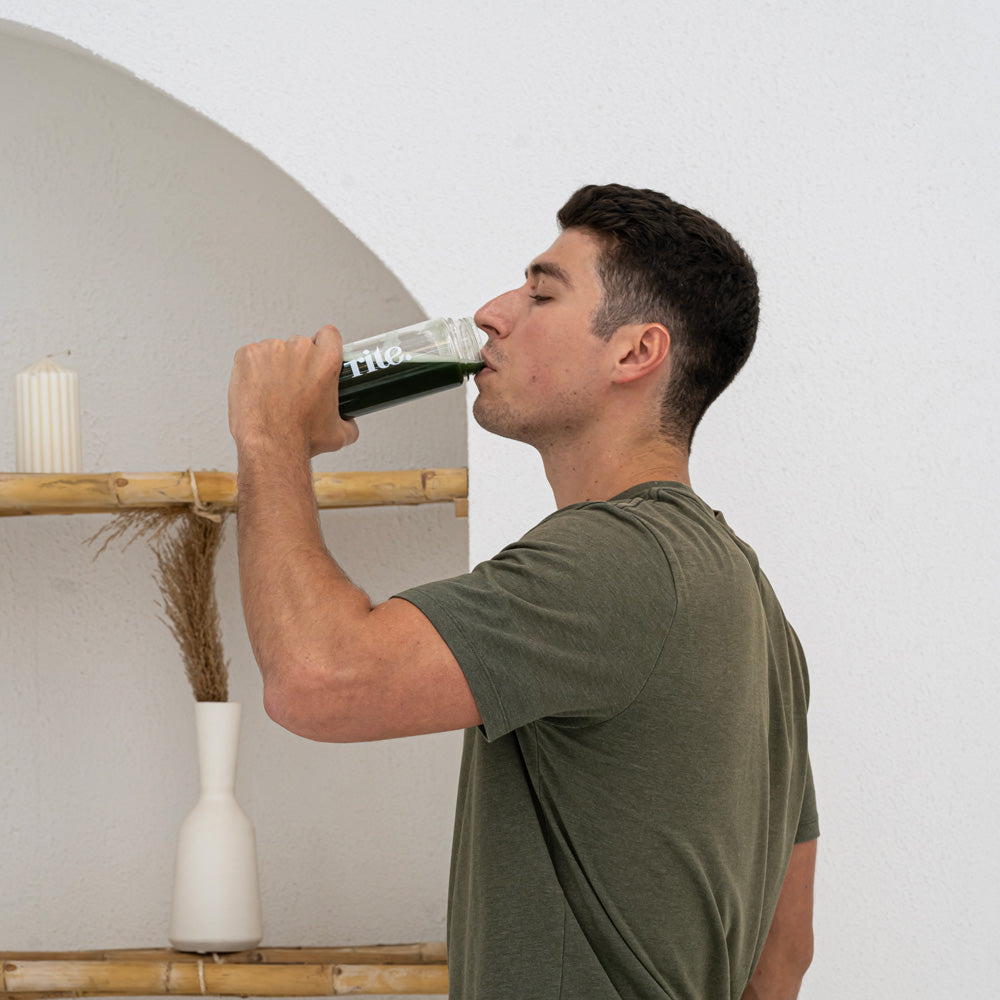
point(113, 492)
point(425, 952)
point(413, 969)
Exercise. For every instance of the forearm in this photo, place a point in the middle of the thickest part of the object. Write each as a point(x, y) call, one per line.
point(300, 608)
point(334, 667)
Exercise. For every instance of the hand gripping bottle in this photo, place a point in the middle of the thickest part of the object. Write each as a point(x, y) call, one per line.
point(406, 364)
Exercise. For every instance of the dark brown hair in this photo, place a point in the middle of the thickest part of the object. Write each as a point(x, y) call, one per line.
point(662, 262)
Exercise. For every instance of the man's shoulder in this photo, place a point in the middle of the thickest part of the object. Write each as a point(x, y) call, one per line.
point(660, 508)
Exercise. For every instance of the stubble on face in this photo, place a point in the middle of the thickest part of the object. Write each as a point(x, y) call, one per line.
point(544, 397)
point(558, 417)
point(496, 414)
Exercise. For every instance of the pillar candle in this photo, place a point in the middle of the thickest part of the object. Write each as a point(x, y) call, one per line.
point(48, 419)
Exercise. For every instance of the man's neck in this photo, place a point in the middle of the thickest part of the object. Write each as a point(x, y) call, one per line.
point(601, 472)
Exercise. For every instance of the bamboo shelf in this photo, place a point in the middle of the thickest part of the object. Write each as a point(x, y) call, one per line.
point(266, 972)
point(112, 492)
point(263, 972)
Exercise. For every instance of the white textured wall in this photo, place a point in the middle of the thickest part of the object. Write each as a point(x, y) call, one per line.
point(152, 244)
point(853, 149)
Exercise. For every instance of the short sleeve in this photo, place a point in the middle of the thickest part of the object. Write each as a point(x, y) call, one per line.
point(808, 828)
point(565, 624)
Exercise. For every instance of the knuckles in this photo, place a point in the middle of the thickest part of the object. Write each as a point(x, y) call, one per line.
point(297, 351)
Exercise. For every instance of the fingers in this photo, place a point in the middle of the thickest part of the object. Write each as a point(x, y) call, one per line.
point(328, 336)
point(288, 389)
point(350, 430)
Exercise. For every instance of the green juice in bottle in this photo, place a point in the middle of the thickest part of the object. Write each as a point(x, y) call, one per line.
point(408, 363)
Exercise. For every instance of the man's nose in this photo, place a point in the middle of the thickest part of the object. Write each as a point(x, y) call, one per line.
point(494, 317)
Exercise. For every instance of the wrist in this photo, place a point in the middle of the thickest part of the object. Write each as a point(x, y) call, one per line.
point(265, 448)
point(269, 467)
point(273, 480)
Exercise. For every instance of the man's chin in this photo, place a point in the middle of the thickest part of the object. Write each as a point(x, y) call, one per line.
point(497, 419)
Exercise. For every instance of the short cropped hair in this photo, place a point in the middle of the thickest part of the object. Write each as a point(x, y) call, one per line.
point(661, 262)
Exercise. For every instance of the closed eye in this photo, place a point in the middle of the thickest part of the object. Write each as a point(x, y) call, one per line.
point(541, 298)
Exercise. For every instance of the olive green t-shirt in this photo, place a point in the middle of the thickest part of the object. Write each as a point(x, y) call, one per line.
point(627, 809)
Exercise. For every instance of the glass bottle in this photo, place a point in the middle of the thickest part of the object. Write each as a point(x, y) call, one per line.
point(405, 364)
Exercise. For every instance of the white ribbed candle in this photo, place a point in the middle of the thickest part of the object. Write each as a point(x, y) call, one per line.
point(48, 419)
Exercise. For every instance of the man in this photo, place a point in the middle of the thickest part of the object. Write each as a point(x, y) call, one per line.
point(635, 816)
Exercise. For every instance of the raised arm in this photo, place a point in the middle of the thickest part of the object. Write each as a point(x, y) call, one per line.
point(334, 666)
point(788, 949)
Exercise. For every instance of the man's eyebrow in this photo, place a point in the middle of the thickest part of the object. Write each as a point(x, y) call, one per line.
point(552, 270)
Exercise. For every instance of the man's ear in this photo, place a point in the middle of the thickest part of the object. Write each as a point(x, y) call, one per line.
point(642, 349)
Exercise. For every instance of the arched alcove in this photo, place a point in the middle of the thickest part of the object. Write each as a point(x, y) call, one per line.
point(151, 244)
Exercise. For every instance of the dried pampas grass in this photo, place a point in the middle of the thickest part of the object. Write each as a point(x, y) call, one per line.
point(185, 543)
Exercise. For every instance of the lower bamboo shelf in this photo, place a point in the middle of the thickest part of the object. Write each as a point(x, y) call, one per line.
point(262, 972)
point(113, 492)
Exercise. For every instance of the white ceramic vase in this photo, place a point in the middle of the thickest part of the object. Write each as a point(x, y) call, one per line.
point(216, 903)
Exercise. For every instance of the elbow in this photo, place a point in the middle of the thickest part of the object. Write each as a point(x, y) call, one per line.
point(795, 957)
point(779, 976)
point(800, 958)
point(297, 713)
point(280, 706)
point(796, 961)
point(782, 967)
point(310, 700)
point(806, 957)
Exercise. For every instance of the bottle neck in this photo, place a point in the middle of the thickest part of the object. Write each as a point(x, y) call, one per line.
point(467, 338)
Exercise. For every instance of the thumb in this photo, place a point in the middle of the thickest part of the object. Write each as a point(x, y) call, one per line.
point(329, 337)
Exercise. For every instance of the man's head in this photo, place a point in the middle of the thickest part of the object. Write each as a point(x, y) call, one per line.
point(660, 262)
